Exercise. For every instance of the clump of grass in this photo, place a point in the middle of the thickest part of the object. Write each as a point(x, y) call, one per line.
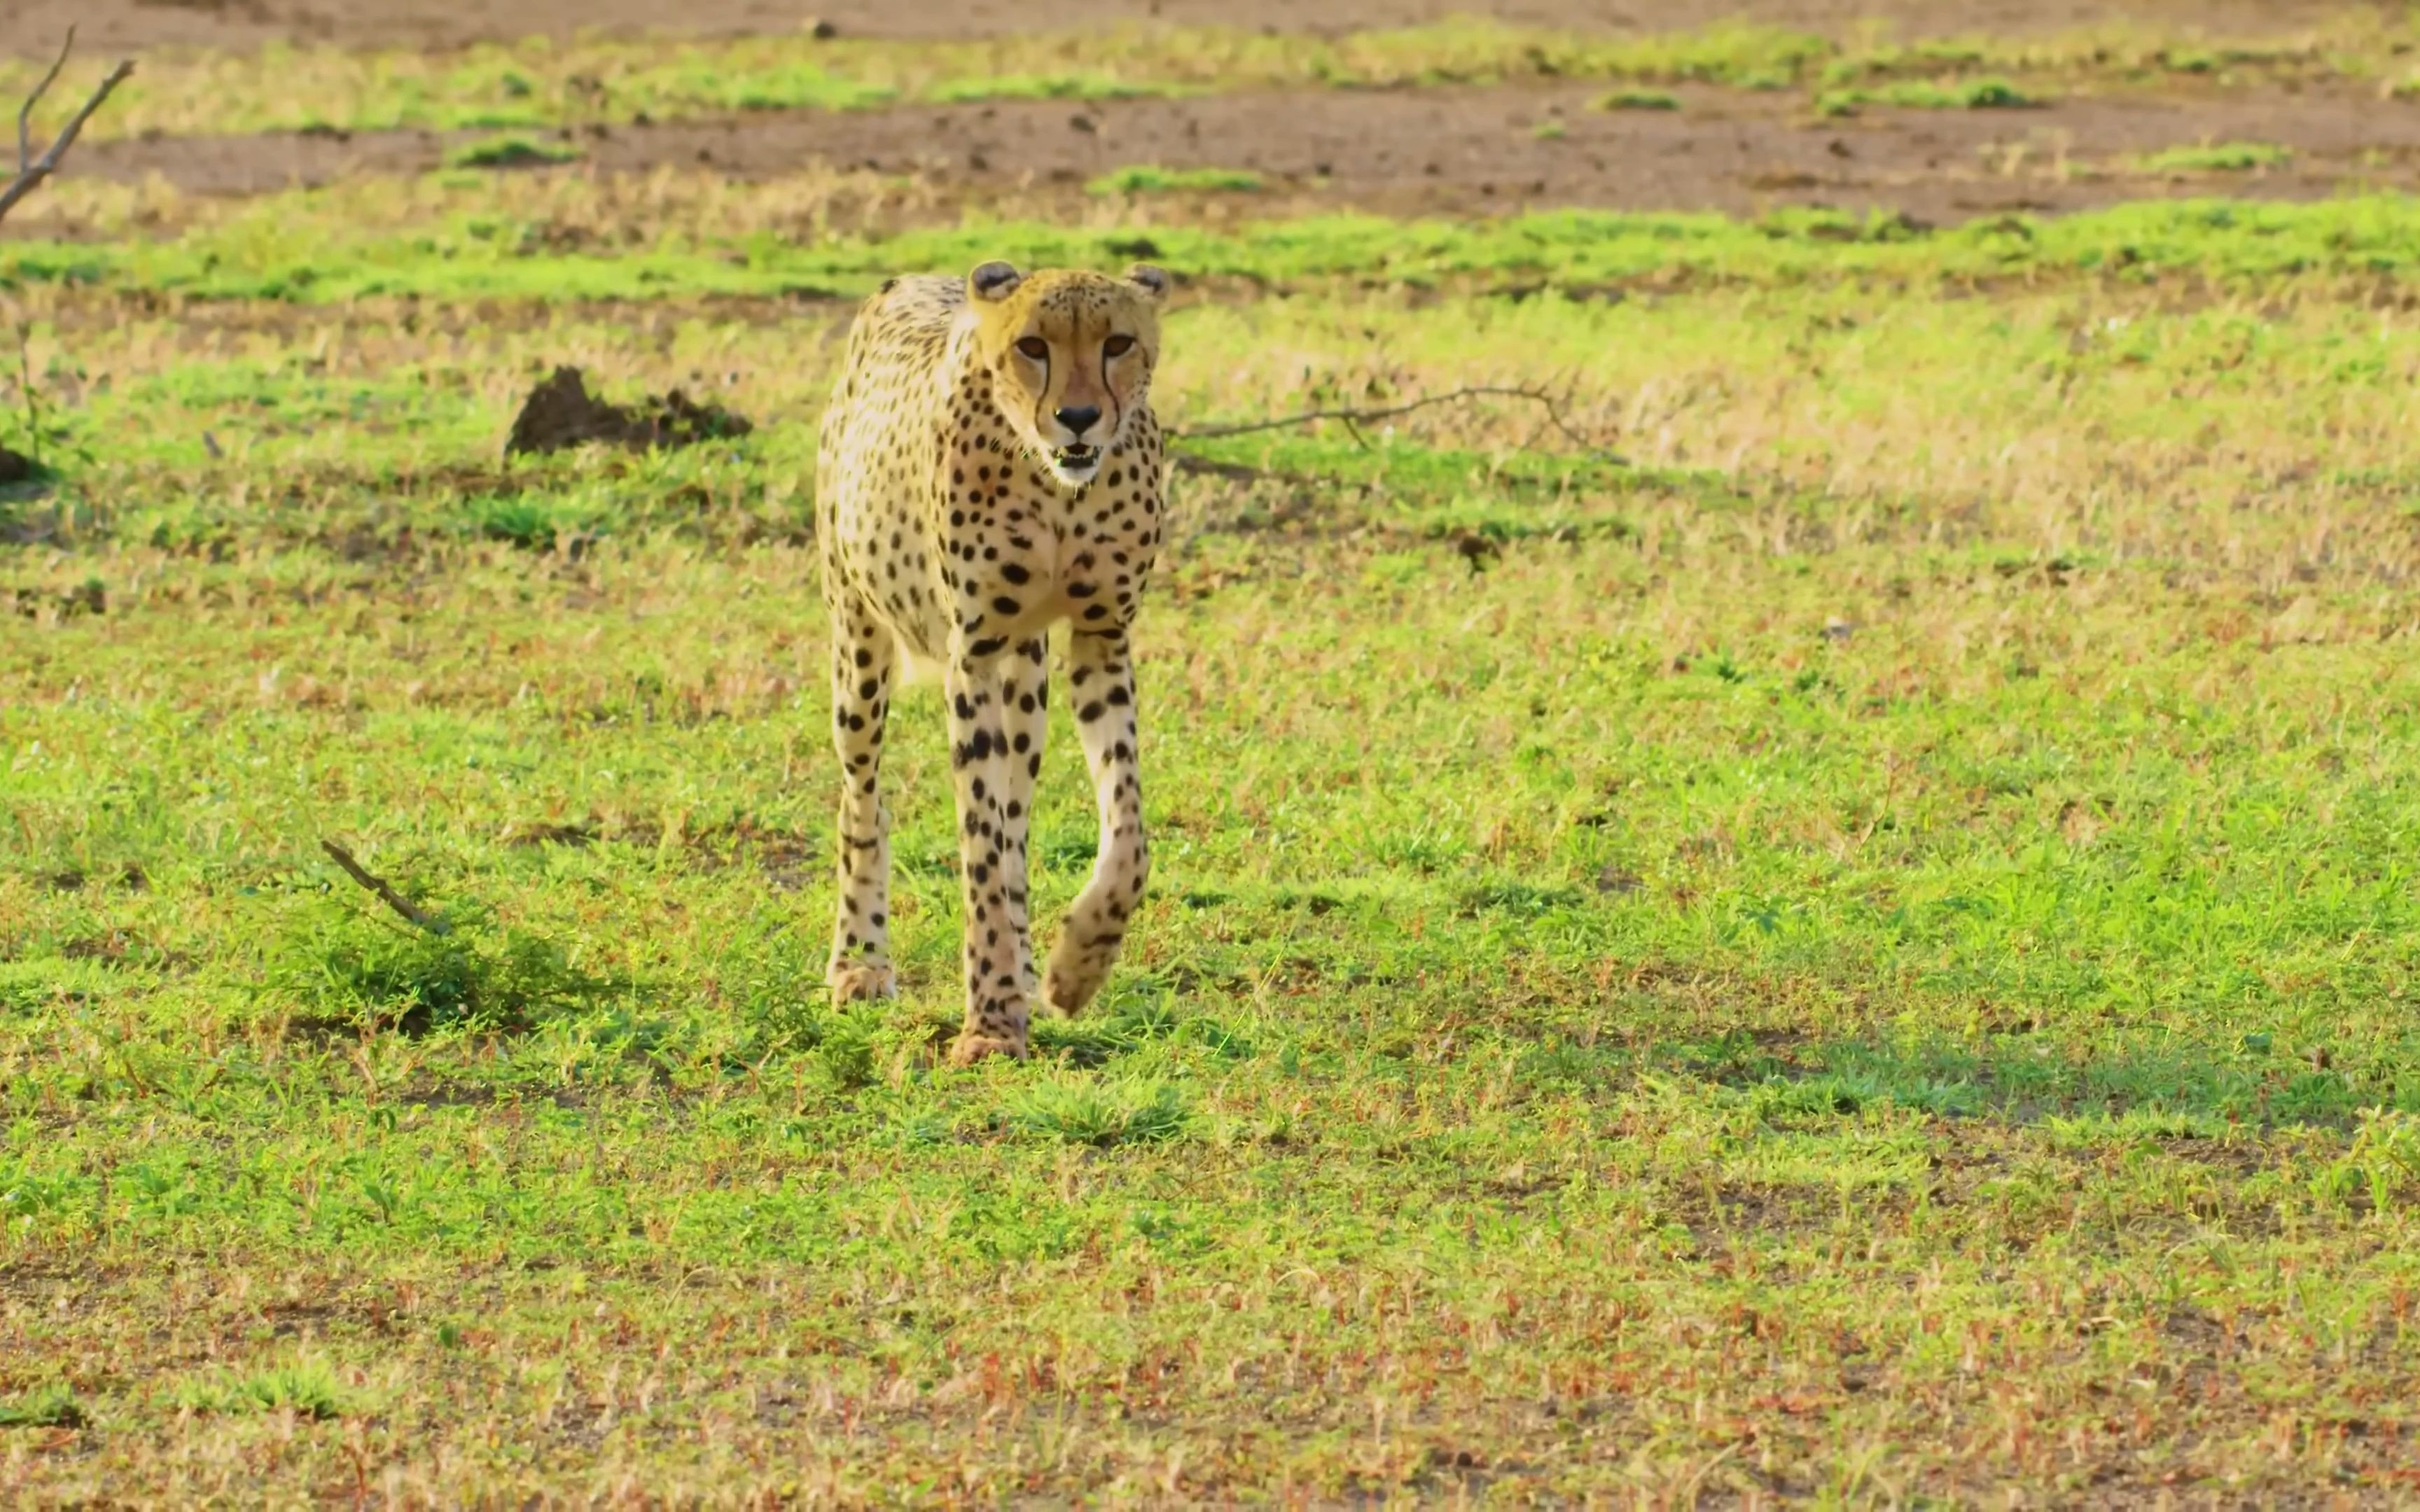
point(511, 152)
point(2221, 157)
point(534, 524)
point(784, 85)
point(339, 963)
point(1084, 1110)
point(306, 1389)
point(1044, 87)
point(844, 1047)
point(1917, 94)
point(1635, 100)
point(1148, 179)
point(1550, 130)
point(44, 1407)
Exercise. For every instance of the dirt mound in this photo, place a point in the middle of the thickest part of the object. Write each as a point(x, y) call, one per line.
point(561, 413)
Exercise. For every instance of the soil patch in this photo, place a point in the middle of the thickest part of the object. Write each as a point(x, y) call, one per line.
point(1448, 151)
point(33, 27)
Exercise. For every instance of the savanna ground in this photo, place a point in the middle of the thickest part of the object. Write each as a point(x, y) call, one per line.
point(1838, 926)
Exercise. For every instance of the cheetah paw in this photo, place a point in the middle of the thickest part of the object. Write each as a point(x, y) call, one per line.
point(1069, 988)
point(861, 982)
point(971, 1047)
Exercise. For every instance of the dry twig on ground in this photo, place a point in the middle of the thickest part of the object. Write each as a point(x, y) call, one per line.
point(1353, 419)
point(31, 170)
point(384, 889)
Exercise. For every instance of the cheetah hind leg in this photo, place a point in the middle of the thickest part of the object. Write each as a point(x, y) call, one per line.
point(864, 662)
point(1101, 683)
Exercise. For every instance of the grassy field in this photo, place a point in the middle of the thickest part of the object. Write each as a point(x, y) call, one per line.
point(1839, 926)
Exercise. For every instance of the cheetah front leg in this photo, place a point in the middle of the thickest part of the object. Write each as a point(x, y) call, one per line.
point(1025, 715)
point(863, 659)
point(991, 859)
point(1100, 682)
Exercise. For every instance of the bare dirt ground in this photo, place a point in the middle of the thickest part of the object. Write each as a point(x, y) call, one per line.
point(34, 26)
point(1451, 150)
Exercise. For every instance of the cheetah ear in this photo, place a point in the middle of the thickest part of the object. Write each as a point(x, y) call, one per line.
point(993, 281)
point(1150, 280)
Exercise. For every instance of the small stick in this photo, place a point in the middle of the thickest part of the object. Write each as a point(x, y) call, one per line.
point(31, 171)
point(384, 889)
point(1358, 417)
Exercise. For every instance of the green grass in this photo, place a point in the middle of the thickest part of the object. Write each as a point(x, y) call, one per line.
point(470, 240)
point(1917, 94)
point(2223, 157)
point(1635, 100)
point(1047, 86)
point(510, 152)
point(1679, 965)
point(45, 1407)
point(1144, 178)
point(309, 1391)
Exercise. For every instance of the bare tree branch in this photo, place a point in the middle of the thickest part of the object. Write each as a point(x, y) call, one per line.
point(1354, 418)
point(31, 170)
point(384, 889)
point(25, 112)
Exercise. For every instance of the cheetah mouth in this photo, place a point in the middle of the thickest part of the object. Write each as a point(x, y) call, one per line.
point(1078, 459)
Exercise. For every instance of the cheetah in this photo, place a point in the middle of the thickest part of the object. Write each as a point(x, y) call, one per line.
point(990, 466)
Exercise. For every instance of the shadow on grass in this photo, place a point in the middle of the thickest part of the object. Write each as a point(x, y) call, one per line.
point(2009, 1078)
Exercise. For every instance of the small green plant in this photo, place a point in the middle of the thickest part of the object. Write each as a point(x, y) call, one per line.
point(2382, 1164)
point(44, 1407)
point(1550, 130)
point(306, 1389)
point(534, 524)
point(1146, 179)
point(511, 152)
point(343, 966)
point(1082, 1110)
point(2222, 157)
point(37, 430)
point(1635, 100)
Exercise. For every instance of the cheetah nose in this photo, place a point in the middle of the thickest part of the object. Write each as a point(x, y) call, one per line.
point(1078, 418)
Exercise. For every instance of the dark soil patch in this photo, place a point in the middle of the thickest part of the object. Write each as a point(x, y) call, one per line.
point(561, 413)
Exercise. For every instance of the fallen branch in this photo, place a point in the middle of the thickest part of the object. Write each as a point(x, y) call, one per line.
point(384, 889)
point(1232, 472)
point(31, 171)
point(1354, 418)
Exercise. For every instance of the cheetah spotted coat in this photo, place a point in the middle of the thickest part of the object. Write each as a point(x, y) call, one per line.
point(990, 468)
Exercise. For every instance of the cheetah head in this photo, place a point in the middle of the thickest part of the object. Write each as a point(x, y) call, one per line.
point(1071, 356)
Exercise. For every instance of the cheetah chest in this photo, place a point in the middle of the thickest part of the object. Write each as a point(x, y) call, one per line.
point(1052, 555)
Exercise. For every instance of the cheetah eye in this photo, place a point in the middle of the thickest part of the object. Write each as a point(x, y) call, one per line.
point(1035, 347)
point(1117, 347)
